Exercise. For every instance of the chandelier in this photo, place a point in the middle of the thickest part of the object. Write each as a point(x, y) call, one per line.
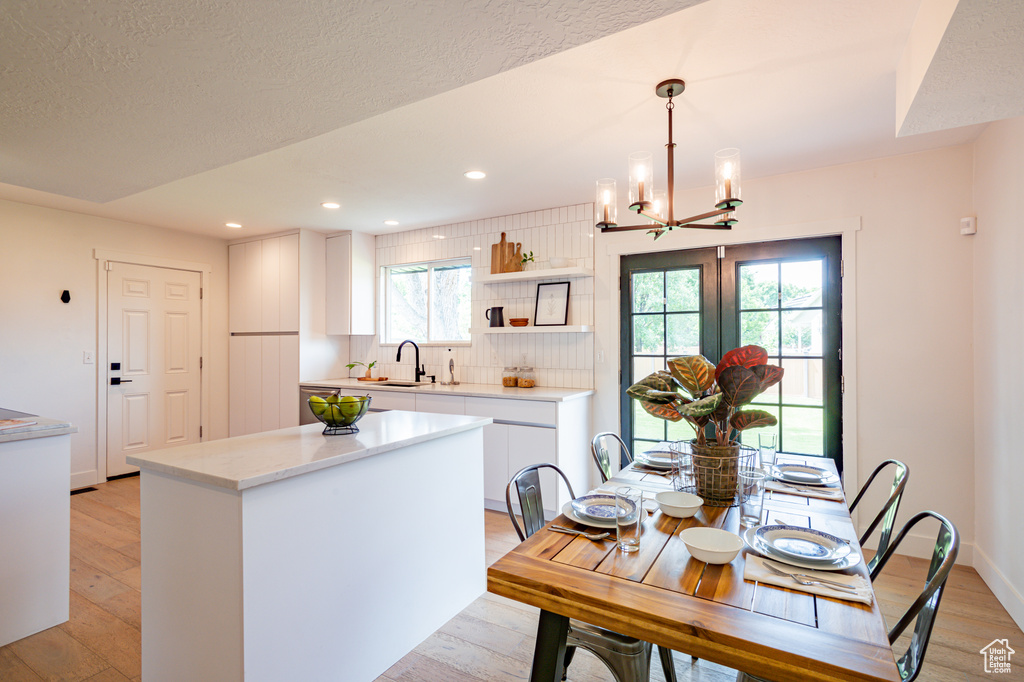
point(659, 206)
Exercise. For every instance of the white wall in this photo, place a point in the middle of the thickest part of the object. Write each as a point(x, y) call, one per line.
point(44, 251)
point(907, 312)
point(998, 363)
point(559, 359)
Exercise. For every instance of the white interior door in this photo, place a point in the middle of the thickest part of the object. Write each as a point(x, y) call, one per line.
point(154, 335)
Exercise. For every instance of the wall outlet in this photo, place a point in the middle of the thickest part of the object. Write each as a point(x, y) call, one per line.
point(87, 358)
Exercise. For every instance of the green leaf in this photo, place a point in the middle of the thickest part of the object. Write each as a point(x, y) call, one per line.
point(662, 411)
point(739, 385)
point(657, 383)
point(752, 419)
point(768, 375)
point(745, 356)
point(702, 407)
point(693, 372)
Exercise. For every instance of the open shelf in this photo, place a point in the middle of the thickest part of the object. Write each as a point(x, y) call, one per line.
point(529, 275)
point(568, 329)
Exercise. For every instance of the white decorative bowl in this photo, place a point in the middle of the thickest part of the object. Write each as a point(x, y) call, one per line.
point(713, 545)
point(558, 262)
point(678, 504)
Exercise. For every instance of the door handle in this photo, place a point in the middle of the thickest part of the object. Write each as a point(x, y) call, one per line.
point(115, 381)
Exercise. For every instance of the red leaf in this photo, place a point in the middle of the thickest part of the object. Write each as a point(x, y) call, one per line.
point(746, 356)
point(768, 374)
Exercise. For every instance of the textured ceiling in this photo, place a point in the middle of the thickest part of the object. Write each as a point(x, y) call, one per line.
point(976, 74)
point(796, 84)
point(104, 99)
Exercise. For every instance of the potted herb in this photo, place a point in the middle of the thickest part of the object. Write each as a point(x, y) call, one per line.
point(368, 367)
point(703, 394)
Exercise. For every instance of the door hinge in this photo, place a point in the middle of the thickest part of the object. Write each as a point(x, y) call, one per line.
point(842, 384)
point(200, 364)
point(200, 293)
point(200, 430)
point(842, 268)
point(108, 266)
point(721, 252)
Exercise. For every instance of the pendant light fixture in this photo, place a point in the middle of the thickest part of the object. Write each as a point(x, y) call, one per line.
point(659, 207)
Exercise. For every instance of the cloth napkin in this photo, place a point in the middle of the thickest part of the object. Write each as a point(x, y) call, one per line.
point(755, 571)
point(823, 493)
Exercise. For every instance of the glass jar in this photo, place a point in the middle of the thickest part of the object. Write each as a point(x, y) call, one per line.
point(526, 377)
point(510, 377)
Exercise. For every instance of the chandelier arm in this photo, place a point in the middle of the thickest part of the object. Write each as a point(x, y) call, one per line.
point(704, 226)
point(702, 216)
point(653, 216)
point(627, 228)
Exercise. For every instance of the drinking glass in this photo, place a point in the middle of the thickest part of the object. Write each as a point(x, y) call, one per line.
point(752, 497)
point(766, 443)
point(628, 518)
point(682, 472)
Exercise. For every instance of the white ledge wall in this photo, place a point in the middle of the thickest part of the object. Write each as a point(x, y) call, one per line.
point(560, 359)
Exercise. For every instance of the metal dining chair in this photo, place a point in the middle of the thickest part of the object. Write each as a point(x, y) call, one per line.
point(922, 611)
point(887, 514)
point(599, 448)
point(628, 658)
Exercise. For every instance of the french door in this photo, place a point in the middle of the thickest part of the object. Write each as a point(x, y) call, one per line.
point(784, 296)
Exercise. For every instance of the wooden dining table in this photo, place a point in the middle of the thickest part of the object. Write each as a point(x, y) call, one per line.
point(661, 594)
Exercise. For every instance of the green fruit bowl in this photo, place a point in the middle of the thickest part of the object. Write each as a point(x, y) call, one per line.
point(339, 414)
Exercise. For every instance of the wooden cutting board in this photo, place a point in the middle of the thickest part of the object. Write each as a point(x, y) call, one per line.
point(499, 256)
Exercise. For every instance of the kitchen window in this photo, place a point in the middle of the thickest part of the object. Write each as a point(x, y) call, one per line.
point(427, 302)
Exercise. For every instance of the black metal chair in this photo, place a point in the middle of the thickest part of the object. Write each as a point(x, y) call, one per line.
point(599, 448)
point(924, 608)
point(887, 514)
point(628, 658)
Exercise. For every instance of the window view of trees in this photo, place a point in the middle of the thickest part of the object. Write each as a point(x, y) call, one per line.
point(428, 301)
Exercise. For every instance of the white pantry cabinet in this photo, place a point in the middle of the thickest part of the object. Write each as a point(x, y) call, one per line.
point(263, 285)
point(351, 284)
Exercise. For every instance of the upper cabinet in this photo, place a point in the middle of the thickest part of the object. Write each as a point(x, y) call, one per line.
point(351, 283)
point(263, 286)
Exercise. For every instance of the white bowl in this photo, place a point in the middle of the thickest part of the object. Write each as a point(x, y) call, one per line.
point(713, 545)
point(558, 262)
point(678, 504)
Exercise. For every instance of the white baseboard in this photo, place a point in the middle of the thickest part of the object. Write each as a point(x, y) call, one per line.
point(1005, 591)
point(921, 547)
point(83, 479)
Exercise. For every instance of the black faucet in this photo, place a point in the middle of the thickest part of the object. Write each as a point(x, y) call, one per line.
point(420, 371)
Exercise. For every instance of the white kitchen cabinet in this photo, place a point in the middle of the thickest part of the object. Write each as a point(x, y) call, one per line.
point(263, 285)
point(263, 391)
point(351, 283)
point(537, 445)
point(441, 404)
point(496, 474)
point(390, 400)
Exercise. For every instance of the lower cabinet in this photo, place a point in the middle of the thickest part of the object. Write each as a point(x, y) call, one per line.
point(263, 387)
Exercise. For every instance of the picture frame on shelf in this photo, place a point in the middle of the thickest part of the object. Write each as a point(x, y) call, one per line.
point(552, 308)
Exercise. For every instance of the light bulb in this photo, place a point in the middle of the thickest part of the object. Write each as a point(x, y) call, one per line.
point(607, 197)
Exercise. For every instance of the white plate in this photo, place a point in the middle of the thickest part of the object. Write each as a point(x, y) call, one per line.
point(593, 523)
point(600, 506)
point(848, 561)
point(803, 474)
point(804, 544)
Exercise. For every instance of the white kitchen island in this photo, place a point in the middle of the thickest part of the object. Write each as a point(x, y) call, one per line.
point(289, 555)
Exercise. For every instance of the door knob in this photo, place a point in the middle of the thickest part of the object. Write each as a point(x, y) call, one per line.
point(115, 381)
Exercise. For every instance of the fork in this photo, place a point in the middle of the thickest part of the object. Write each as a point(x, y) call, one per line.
point(569, 531)
point(804, 579)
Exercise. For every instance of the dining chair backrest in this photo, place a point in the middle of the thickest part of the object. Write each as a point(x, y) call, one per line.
point(924, 608)
point(887, 514)
point(526, 483)
point(599, 446)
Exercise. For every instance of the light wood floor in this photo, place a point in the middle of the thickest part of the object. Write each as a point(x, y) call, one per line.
point(491, 640)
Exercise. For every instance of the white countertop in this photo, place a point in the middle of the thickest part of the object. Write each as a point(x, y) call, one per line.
point(248, 461)
point(542, 393)
point(44, 427)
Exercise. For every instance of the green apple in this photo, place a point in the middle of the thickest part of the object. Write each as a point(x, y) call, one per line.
point(317, 405)
point(350, 406)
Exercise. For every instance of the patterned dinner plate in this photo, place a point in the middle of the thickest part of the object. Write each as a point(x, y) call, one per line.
point(805, 544)
point(600, 507)
point(848, 561)
point(803, 474)
point(583, 520)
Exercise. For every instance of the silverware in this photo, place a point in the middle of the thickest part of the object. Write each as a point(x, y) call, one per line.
point(569, 531)
point(804, 579)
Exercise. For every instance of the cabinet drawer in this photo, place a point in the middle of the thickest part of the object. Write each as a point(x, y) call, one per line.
point(388, 400)
point(503, 409)
point(441, 404)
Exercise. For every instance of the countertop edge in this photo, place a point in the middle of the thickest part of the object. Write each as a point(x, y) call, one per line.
point(540, 394)
point(43, 428)
point(238, 485)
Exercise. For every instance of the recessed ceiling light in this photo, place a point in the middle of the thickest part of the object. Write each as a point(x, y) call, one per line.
point(475, 175)
point(390, 222)
point(331, 204)
point(476, 248)
point(438, 236)
point(234, 225)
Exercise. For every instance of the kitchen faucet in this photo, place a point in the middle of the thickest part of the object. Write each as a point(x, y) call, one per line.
point(420, 371)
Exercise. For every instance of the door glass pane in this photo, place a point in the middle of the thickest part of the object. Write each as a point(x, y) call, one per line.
point(646, 425)
point(803, 430)
point(760, 328)
point(648, 292)
point(680, 430)
point(682, 290)
point(759, 286)
point(801, 332)
point(649, 334)
point(750, 436)
point(642, 366)
point(682, 334)
point(803, 384)
point(802, 284)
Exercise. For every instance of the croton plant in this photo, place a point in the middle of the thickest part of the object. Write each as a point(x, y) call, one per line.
point(697, 390)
